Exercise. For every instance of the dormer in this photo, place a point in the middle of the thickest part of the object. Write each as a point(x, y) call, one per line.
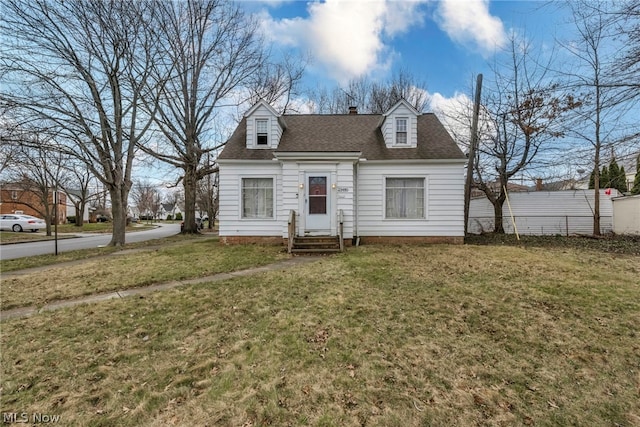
point(264, 126)
point(399, 126)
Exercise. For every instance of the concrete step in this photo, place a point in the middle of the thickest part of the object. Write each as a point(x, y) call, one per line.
point(314, 250)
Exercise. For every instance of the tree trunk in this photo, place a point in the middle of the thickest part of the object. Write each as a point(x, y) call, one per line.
point(119, 197)
point(190, 182)
point(79, 208)
point(498, 227)
point(596, 192)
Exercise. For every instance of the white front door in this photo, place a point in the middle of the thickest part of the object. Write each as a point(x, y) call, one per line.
point(317, 203)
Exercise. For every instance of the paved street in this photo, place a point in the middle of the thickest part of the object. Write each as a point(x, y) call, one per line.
point(20, 250)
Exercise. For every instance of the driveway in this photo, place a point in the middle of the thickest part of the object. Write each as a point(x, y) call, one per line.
point(85, 241)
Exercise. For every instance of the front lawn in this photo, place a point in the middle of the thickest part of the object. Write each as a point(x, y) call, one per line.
point(377, 336)
point(183, 258)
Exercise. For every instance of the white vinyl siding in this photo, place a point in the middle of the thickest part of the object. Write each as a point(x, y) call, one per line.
point(341, 197)
point(401, 118)
point(230, 216)
point(263, 124)
point(287, 177)
point(257, 198)
point(404, 198)
point(443, 192)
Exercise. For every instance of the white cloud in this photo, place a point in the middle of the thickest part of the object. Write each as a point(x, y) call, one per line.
point(454, 113)
point(347, 38)
point(470, 22)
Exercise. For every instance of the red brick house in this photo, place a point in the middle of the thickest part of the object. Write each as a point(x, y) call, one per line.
point(16, 199)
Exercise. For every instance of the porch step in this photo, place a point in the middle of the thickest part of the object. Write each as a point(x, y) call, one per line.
point(316, 244)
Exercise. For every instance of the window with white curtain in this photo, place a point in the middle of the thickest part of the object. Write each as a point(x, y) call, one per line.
point(404, 198)
point(257, 197)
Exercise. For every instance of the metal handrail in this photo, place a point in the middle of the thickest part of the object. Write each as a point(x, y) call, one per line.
point(291, 230)
point(341, 229)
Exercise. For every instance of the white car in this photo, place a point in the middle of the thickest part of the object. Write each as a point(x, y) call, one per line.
point(18, 223)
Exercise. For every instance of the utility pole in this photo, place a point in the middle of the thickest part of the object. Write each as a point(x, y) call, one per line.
point(472, 152)
point(209, 194)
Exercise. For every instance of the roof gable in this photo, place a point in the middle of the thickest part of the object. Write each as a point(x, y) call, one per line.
point(398, 105)
point(261, 104)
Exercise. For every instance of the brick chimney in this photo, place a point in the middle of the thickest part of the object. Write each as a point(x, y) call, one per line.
point(353, 110)
point(538, 184)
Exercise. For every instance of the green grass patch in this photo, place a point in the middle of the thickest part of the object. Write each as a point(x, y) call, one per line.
point(376, 336)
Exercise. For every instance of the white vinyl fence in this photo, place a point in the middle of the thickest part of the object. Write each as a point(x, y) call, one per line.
point(626, 215)
point(539, 213)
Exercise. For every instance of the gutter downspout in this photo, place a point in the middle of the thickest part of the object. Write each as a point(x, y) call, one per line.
point(356, 240)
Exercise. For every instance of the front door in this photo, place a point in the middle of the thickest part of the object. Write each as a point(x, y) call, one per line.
point(317, 204)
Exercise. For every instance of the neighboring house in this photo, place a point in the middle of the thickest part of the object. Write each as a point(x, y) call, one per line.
point(392, 177)
point(626, 215)
point(630, 163)
point(71, 209)
point(16, 199)
point(544, 213)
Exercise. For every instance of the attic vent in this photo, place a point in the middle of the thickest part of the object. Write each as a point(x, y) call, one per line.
point(353, 110)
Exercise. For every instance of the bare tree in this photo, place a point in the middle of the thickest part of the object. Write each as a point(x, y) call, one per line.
point(147, 198)
point(37, 173)
point(371, 97)
point(276, 83)
point(79, 68)
point(78, 187)
point(207, 197)
point(210, 49)
point(522, 112)
point(403, 85)
point(597, 72)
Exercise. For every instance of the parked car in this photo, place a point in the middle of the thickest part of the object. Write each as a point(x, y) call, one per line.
point(19, 223)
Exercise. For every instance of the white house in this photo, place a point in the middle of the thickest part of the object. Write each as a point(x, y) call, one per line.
point(365, 177)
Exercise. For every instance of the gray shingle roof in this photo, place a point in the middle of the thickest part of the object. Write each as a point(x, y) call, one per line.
point(347, 133)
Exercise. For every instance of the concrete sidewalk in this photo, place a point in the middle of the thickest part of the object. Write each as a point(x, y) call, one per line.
point(30, 311)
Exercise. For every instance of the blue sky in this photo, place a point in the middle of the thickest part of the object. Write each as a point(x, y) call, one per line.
point(442, 43)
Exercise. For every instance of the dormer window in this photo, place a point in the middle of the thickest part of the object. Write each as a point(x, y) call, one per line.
point(262, 137)
point(401, 130)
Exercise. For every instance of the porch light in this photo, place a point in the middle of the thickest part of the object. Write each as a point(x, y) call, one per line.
point(301, 186)
point(333, 185)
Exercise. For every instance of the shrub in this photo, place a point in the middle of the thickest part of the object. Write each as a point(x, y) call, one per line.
point(169, 217)
point(179, 216)
point(71, 219)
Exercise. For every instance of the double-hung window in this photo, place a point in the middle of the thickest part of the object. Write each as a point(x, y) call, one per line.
point(401, 130)
point(257, 197)
point(404, 198)
point(262, 137)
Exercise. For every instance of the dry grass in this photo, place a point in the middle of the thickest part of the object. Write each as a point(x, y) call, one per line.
point(378, 336)
point(11, 237)
point(132, 268)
